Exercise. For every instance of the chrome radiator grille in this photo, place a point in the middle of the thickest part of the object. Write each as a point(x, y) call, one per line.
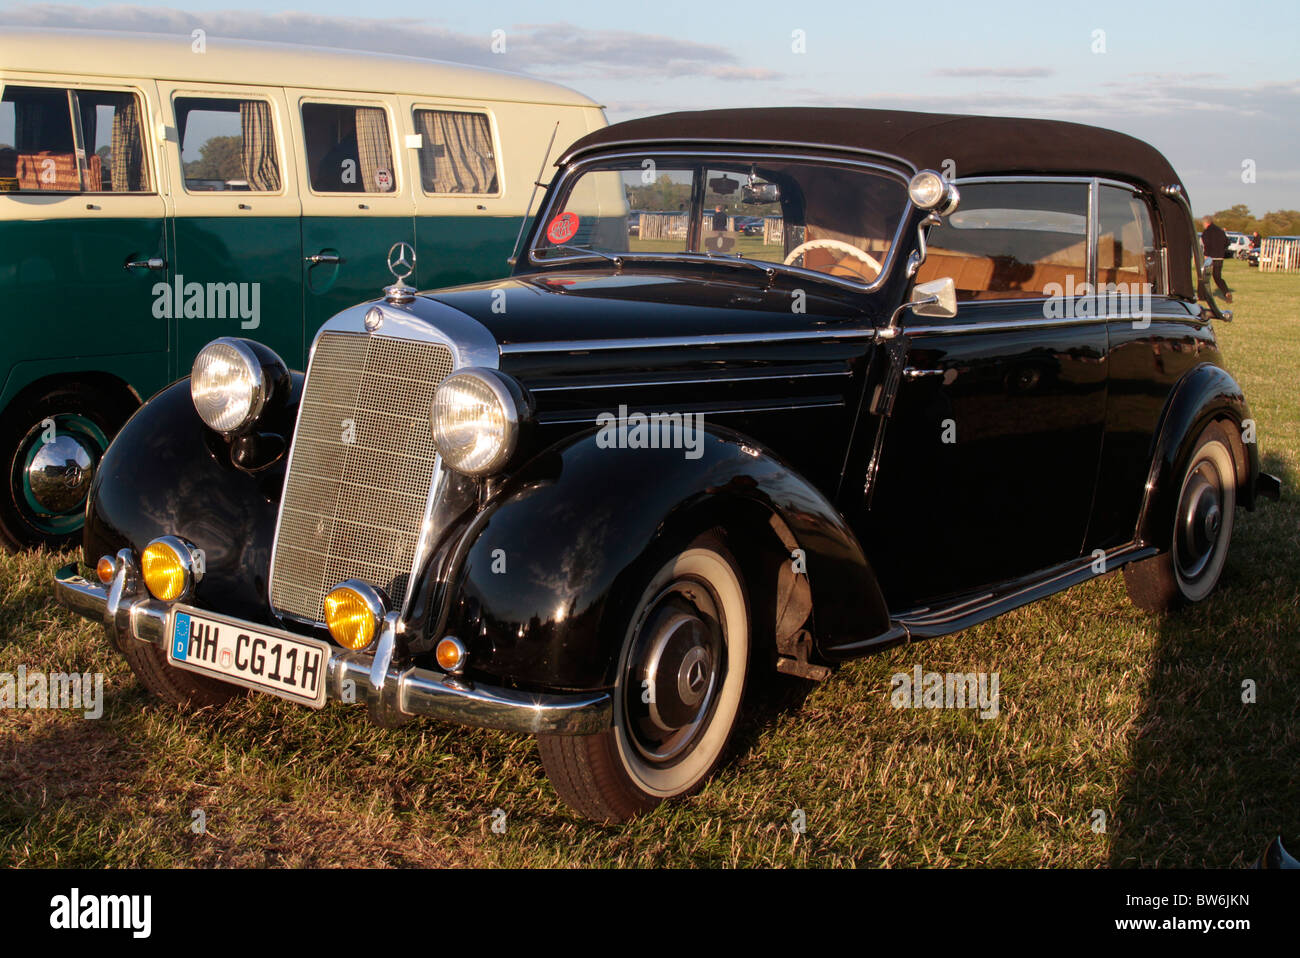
point(362, 468)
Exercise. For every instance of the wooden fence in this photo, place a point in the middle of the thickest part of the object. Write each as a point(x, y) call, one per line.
point(1279, 255)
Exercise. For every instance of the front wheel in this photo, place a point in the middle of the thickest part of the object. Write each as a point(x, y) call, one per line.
point(1198, 550)
point(680, 680)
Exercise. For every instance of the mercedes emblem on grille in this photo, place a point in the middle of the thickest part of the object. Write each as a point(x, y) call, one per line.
point(374, 318)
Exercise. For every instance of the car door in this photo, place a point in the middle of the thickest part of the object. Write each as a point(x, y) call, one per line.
point(989, 459)
point(356, 198)
point(237, 248)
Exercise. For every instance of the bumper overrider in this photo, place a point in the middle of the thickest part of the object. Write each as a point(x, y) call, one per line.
point(130, 614)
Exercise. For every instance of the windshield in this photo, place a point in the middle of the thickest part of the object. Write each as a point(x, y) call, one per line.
point(838, 221)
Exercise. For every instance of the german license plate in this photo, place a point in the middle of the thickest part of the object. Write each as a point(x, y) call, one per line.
point(280, 663)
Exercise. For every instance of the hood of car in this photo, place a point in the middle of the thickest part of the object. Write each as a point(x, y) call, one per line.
point(581, 305)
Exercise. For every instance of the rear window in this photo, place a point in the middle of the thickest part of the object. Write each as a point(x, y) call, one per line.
point(57, 140)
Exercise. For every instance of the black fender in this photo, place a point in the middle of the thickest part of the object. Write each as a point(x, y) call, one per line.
point(166, 473)
point(1203, 395)
point(550, 567)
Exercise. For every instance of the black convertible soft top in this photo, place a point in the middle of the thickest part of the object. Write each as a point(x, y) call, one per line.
point(975, 145)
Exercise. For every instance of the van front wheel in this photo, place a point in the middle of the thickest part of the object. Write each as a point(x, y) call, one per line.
point(53, 443)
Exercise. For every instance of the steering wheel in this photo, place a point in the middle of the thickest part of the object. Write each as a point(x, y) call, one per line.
point(836, 245)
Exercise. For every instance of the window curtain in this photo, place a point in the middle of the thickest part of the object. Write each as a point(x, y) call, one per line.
point(457, 152)
point(373, 149)
point(260, 167)
point(128, 170)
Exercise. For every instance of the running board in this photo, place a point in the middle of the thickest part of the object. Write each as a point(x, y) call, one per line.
point(968, 611)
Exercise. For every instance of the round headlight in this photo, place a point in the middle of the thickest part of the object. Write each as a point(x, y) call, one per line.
point(476, 421)
point(229, 384)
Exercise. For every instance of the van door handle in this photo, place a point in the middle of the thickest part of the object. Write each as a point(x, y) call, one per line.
point(153, 262)
point(911, 372)
point(330, 259)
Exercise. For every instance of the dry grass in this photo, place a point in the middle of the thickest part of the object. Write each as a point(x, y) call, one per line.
point(1102, 707)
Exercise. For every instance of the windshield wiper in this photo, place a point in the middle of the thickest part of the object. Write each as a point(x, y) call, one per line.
point(616, 260)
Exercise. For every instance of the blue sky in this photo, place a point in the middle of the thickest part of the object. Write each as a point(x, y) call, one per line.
point(1210, 84)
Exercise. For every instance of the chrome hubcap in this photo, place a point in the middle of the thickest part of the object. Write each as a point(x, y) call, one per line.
point(1200, 521)
point(673, 672)
point(60, 473)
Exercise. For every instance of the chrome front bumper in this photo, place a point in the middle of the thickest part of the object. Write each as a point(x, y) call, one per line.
point(129, 614)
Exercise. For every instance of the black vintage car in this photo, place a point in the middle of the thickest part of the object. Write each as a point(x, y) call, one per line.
point(588, 501)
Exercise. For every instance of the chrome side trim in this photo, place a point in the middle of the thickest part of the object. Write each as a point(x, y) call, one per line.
point(704, 155)
point(789, 407)
point(404, 690)
point(673, 342)
point(688, 382)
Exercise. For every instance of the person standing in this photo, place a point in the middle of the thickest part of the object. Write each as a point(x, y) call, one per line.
point(1214, 241)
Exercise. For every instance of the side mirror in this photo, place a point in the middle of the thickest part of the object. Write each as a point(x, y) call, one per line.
point(935, 298)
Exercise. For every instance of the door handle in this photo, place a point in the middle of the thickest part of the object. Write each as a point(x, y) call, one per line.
point(911, 372)
point(330, 259)
point(153, 262)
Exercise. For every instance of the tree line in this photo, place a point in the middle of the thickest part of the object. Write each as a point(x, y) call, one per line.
point(1240, 220)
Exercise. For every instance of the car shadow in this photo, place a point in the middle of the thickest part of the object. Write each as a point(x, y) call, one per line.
point(1213, 756)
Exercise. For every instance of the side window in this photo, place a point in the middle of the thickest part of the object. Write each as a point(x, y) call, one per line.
point(227, 145)
point(71, 141)
point(1012, 241)
point(456, 152)
point(1126, 248)
point(348, 148)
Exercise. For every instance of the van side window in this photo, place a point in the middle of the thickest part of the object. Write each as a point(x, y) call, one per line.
point(227, 145)
point(348, 148)
point(1012, 241)
point(1126, 246)
point(456, 152)
point(71, 141)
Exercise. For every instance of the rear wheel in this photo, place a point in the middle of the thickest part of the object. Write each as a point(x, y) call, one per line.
point(1198, 550)
point(681, 677)
point(53, 443)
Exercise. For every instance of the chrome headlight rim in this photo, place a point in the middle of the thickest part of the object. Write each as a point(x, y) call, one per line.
point(260, 376)
point(187, 557)
point(931, 190)
point(514, 407)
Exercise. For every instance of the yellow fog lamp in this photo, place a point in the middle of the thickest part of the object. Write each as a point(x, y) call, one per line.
point(354, 613)
point(170, 567)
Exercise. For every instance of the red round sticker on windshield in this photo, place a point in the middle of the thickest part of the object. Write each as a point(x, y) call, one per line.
point(562, 228)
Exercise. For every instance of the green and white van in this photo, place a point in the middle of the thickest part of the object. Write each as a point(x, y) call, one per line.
point(157, 192)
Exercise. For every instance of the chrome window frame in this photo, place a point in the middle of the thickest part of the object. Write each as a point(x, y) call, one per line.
point(941, 327)
point(576, 168)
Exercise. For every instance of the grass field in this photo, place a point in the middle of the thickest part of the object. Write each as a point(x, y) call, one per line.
point(1102, 708)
